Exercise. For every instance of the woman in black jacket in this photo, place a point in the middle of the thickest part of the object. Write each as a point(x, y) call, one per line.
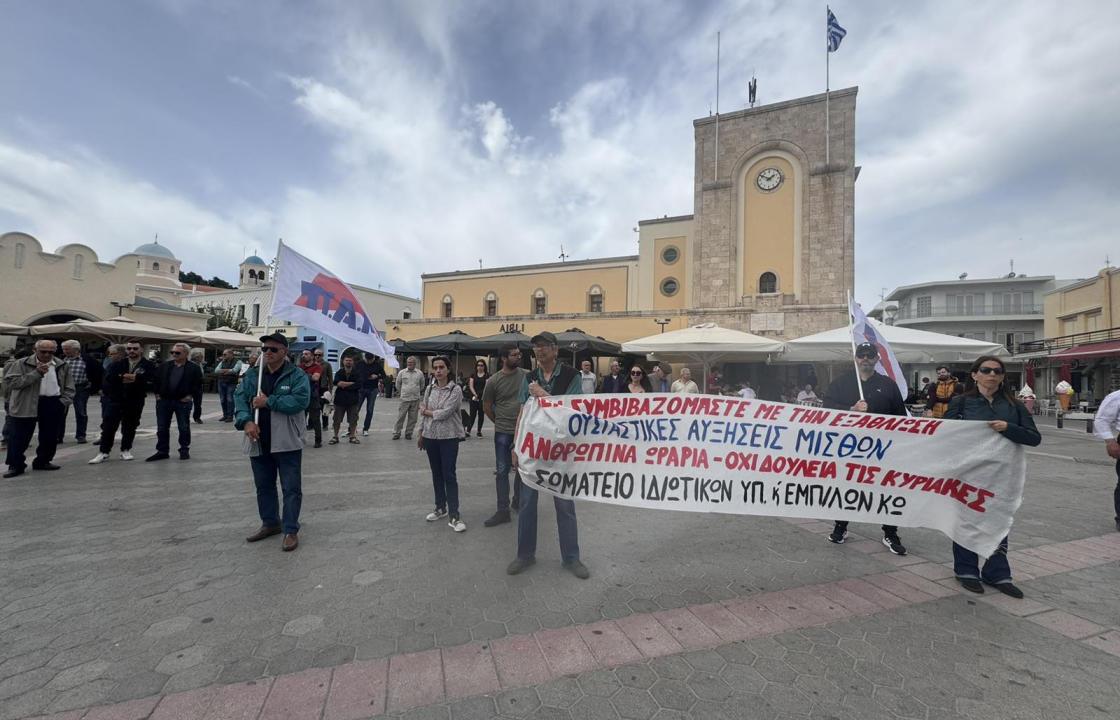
point(990, 400)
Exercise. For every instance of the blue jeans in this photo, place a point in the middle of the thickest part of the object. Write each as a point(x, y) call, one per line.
point(288, 465)
point(442, 455)
point(996, 569)
point(503, 449)
point(225, 397)
point(368, 396)
point(182, 412)
point(565, 524)
point(81, 418)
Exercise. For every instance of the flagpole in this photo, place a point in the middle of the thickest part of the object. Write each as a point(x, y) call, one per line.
point(267, 323)
point(827, 128)
point(716, 178)
point(852, 337)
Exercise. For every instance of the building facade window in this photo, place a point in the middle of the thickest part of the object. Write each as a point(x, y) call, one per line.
point(670, 255)
point(540, 302)
point(256, 314)
point(595, 299)
point(21, 249)
point(78, 267)
point(1093, 322)
point(669, 287)
point(448, 306)
point(490, 305)
point(155, 266)
point(1016, 303)
point(767, 283)
point(406, 315)
point(925, 306)
point(241, 312)
point(964, 304)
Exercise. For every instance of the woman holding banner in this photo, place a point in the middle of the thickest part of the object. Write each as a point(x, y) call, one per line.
point(441, 429)
point(990, 400)
point(639, 383)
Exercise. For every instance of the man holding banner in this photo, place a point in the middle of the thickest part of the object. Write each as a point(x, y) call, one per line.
point(550, 377)
point(874, 392)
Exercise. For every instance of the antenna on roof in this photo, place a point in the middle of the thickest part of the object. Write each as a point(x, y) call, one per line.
point(962, 276)
point(157, 239)
point(480, 262)
point(563, 255)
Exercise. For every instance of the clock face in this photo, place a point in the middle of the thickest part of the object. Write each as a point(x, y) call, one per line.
point(769, 179)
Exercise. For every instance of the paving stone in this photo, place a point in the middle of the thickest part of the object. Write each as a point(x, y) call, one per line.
point(593, 708)
point(182, 659)
point(518, 702)
point(673, 694)
point(170, 626)
point(475, 708)
point(562, 693)
point(302, 625)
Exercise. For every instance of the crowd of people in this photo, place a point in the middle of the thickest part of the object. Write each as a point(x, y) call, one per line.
point(277, 400)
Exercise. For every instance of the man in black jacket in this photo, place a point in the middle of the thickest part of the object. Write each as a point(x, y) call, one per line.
point(177, 381)
point(880, 395)
point(126, 384)
point(615, 382)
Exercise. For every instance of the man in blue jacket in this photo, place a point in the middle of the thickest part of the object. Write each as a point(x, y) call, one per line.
point(274, 421)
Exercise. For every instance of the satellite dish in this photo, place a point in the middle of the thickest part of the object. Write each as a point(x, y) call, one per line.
point(962, 276)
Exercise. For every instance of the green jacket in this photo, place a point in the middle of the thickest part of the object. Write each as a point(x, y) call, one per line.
point(21, 385)
point(288, 404)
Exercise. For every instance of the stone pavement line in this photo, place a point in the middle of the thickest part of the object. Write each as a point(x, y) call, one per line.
point(363, 689)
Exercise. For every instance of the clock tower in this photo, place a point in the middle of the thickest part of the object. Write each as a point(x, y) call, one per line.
point(774, 227)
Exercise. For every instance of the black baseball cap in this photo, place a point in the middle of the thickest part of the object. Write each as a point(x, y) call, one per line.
point(275, 337)
point(545, 337)
point(867, 349)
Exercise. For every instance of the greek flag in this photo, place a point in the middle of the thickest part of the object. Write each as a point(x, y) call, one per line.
point(835, 33)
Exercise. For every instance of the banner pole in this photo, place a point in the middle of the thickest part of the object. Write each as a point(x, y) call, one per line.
point(267, 323)
point(852, 337)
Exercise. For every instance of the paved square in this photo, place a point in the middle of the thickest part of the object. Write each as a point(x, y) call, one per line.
point(127, 590)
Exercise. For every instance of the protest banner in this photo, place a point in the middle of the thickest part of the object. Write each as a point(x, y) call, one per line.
point(703, 453)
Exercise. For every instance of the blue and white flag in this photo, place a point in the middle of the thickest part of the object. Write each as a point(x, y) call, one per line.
point(835, 33)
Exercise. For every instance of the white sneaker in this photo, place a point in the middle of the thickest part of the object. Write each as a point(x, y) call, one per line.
point(365, 433)
point(437, 514)
point(99, 458)
point(456, 524)
point(126, 455)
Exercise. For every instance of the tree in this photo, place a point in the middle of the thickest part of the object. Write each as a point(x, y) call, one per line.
point(196, 279)
point(223, 316)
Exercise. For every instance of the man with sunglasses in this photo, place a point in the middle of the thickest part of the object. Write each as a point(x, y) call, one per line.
point(38, 389)
point(274, 421)
point(176, 383)
point(881, 396)
point(126, 385)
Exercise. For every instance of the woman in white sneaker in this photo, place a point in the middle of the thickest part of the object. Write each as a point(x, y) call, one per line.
point(441, 429)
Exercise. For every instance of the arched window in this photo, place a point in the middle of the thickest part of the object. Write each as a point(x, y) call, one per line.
point(78, 267)
point(155, 266)
point(490, 305)
point(447, 306)
point(767, 283)
point(172, 270)
point(20, 250)
point(595, 299)
point(540, 302)
point(406, 315)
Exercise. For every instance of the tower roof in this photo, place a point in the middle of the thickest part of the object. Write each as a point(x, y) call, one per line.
point(254, 260)
point(156, 250)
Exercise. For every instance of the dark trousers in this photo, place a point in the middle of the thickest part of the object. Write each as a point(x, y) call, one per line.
point(7, 431)
point(966, 564)
point(350, 412)
point(369, 397)
point(182, 411)
point(1116, 493)
point(565, 526)
point(442, 455)
point(476, 410)
point(125, 416)
point(887, 529)
point(81, 417)
point(315, 420)
point(287, 466)
point(48, 421)
point(503, 451)
point(225, 397)
point(198, 405)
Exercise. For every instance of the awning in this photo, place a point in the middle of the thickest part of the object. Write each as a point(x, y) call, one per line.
point(1094, 350)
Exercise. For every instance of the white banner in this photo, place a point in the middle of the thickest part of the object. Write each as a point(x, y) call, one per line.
point(308, 294)
point(702, 453)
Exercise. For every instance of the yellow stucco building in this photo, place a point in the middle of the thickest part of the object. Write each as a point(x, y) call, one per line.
point(769, 247)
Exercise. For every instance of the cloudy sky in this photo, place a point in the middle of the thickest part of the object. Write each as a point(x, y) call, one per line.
point(387, 139)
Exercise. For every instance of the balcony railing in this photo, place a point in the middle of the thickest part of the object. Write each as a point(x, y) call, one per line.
point(955, 311)
point(1063, 342)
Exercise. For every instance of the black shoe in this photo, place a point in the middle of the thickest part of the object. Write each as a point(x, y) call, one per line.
point(1008, 589)
point(575, 567)
point(198, 421)
point(318, 443)
point(44, 466)
point(838, 535)
point(184, 454)
point(519, 565)
point(972, 585)
point(80, 441)
point(15, 472)
point(157, 456)
point(502, 516)
point(894, 544)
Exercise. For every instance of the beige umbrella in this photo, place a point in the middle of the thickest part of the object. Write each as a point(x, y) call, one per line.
point(116, 329)
point(706, 344)
point(228, 337)
point(9, 329)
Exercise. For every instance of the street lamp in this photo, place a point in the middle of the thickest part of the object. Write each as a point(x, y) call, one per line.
point(120, 306)
point(662, 322)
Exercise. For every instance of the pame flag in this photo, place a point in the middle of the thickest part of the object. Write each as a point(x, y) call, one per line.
point(864, 332)
point(312, 296)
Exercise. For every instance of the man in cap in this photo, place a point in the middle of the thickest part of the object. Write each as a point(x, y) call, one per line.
point(550, 377)
point(880, 395)
point(274, 420)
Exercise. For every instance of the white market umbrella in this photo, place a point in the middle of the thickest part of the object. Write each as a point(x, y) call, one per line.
point(115, 329)
point(705, 344)
point(9, 329)
point(909, 345)
point(228, 337)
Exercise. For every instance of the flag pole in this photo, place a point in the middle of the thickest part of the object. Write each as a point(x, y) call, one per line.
point(852, 337)
point(267, 323)
point(716, 178)
point(827, 127)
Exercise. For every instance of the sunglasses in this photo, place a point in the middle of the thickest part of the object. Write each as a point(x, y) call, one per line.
point(990, 371)
point(636, 373)
point(176, 352)
point(269, 349)
point(867, 356)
